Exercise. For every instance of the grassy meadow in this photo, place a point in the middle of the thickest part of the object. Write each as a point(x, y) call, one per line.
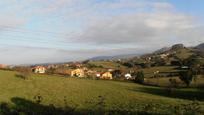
point(43, 93)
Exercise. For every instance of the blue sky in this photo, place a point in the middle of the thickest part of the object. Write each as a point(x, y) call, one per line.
point(40, 31)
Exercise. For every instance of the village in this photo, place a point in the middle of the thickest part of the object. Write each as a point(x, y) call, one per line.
point(79, 70)
point(175, 59)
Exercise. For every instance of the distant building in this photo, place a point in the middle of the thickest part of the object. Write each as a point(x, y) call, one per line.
point(164, 55)
point(106, 75)
point(98, 75)
point(128, 76)
point(78, 65)
point(156, 72)
point(184, 67)
point(110, 70)
point(78, 73)
point(2, 66)
point(52, 66)
point(90, 72)
point(39, 69)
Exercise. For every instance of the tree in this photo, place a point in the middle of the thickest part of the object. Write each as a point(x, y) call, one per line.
point(128, 64)
point(186, 77)
point(51, 70)
point(117, 73)
point(139, 77)
point(159, 61)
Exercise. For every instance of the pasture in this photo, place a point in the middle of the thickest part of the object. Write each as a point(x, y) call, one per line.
point(44, 94)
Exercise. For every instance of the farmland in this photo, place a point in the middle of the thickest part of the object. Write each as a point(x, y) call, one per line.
point(84, 96)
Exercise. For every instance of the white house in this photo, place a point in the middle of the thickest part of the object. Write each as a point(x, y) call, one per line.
point(156, 72)
point(164, 55)
point(98, 75)
point(128, 76)
point(39, 69)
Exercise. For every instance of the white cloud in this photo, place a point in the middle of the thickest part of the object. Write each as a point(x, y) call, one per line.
point(151, 28)
point(133, 28)
point(163, 6)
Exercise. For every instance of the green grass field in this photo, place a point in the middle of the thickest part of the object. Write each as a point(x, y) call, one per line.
point(164, 81)
point(83, 96)
point(149, 72)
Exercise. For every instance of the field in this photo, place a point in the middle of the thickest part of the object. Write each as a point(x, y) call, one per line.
point(149, 72)
point(59, 95)
point(164, 82)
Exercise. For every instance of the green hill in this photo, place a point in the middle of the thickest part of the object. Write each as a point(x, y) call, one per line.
point(184, 53)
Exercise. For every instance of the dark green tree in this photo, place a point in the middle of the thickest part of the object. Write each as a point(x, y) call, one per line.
point(117, 73)
point(186, 77)
point(139, 77)
point(51, 71)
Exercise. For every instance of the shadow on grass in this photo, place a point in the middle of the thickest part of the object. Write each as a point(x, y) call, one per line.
point(189, 94)
point(26, 107)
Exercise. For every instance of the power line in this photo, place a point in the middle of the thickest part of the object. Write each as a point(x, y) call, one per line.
point(36, 33)
point(16, 29)
point(24, 39)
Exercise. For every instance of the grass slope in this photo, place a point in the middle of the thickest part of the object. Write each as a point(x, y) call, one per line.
point(92, 95)
point(184, 53)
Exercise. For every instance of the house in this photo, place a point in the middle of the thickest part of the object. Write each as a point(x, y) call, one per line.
point(184, 67)
point(156, 72)
point(39, 69)
point(52, 66)
point(78, 65)
point(110, 70)
point(98, 75)
point(90, 72)
point(164, 55)
point(106, 75)
point(77, 73)
point(2, 66)
point(128, 76)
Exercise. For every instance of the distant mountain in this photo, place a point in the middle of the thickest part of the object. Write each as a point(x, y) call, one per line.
point(162, 50)
point(172, 48)
point(100, 58)
point(177, 47)
point(200, 46)
point(125, 56)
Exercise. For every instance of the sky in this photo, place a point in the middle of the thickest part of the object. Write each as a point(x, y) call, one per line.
point(44, 31)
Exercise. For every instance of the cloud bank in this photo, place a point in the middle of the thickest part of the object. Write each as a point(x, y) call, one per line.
point(100, 27)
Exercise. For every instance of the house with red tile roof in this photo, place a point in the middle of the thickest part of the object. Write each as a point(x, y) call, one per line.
point(39, 69)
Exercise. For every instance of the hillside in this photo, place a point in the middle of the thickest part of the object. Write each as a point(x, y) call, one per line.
point(200, 46)
point(116, 57)
point(164, 49)
point(184, 53)
point(106, 64)
point(81, 96)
